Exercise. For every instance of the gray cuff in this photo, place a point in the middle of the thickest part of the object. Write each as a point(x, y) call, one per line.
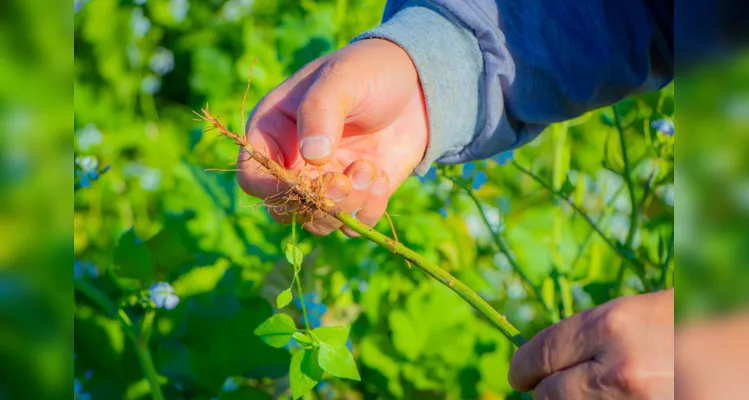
point(450, 65)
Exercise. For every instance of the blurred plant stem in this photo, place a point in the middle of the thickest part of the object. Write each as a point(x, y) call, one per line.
point(140, 342)
point(666, 280)
point(559, 176)
point(506, 251)
point(627, 175)
point(637, 266)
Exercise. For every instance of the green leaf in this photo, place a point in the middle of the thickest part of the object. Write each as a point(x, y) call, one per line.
point(302, 338)
point(276, 330)
point(283, 299)
point(293, 255)
point(334, 357)
point(304, 372)
point(333, 335)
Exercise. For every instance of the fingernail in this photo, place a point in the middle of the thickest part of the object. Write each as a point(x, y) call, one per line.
point(315, 147)
point(336, 193)
point(380, 187)
point(362, 179)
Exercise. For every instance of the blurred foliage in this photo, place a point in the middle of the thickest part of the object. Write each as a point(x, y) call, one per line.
point(147, 210)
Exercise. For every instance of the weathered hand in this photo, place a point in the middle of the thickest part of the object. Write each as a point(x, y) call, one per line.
point(359, 113)
point(623, 349)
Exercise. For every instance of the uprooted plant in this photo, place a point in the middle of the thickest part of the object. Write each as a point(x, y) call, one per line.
point(324, 349)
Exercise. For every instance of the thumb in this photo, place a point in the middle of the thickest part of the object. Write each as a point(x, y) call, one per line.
point(323, 110)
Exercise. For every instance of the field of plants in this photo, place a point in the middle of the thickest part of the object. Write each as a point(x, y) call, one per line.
point(187, 289)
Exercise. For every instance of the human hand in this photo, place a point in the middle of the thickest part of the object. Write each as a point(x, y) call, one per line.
point(623, 349)
point(359, 113)
point(712, 358)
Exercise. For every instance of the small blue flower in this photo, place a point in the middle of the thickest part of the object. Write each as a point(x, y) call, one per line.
point(87, 137)
point(443, 212)
point(230, 385)
point(468, 170)
point(504, 158)
point(664, 126)
point(162, 61)
point(479, 180)
point(78, 5)
point(150, 85)
point(139, 23)
point(179, 9)
point(88, 170)
point(162, 294)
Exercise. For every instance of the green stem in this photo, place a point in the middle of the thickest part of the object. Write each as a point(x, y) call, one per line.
point(628, 179)
point(666, 267)
point(144, 356)
point(140, 344)
point(504, 250)
point(433, 270)
point(296, 270)
point(636, 264)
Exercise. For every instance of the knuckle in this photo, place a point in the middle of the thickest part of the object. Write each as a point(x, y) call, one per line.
point(614, 322)
point(334, 67)
point(628, 379)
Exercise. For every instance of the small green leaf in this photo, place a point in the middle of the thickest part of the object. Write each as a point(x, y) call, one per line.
point(283, 299)
point(338, 361)
point(302, 338)
point(304, 372)
point(293, 255)
point(333, 335)
point(276, 330)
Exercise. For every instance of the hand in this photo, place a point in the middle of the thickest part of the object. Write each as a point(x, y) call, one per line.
point(623, 349)
point(712, 358)
point(359, 113)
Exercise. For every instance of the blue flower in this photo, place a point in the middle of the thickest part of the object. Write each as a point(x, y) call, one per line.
point(78, 393)
point(479, 180)
point(179, 9)
point(87, 137)
point(78, 4)
point(82, 269)
point(468, 170)
point(664, 126)
point(162, 61)
point(443, 212)
point(230, 385)
point(162, 294)
point(139, 23)
point(150, 85)
point(504, 158)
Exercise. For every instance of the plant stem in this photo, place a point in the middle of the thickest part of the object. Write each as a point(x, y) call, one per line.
point(504, 250)
point(628, 179)
point(144, 356)
point(139, 344)
point(636, 264)
point(666, 267)
point(498, 320)
point(296, 271)
point(312, 199)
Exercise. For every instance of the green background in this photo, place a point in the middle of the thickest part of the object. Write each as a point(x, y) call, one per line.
point(158, 214)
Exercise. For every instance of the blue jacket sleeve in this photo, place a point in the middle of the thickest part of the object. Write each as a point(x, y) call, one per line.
point(496, 73)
